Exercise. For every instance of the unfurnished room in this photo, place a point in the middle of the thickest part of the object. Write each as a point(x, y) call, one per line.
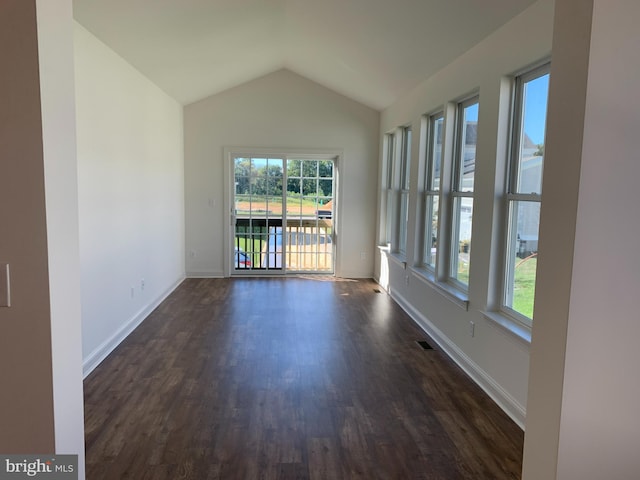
point(285, 239)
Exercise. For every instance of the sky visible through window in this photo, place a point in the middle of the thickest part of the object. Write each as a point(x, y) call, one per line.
point(535, 108)
point(471, 113)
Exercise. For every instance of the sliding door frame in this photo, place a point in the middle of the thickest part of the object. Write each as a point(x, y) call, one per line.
point(230, 153)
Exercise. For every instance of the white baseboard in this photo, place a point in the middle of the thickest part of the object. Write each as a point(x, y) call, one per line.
point(99, 354)
point(503, 399)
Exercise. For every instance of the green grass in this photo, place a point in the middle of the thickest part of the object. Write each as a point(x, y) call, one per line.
point(463, 271)
point(525, 286)
point(259, 203)
point(524, 283)
point(252, 251)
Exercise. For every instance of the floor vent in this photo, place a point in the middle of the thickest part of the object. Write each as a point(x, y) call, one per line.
point(424, 345)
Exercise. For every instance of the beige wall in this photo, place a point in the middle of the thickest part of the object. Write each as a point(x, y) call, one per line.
point(26, 395)
point(279, 111)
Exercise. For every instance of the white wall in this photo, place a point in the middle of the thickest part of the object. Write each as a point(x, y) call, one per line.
point(561, 179)
point(55, 55)
point(600, 426)
point(131, 195)
point(584, 388)
point(497, 359)
point(286, 111)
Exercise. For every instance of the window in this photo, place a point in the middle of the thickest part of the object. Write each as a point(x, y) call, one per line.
point(387, 188)
point(524, 190)
point(405, 174)
point(433, 156)
point(462, 191)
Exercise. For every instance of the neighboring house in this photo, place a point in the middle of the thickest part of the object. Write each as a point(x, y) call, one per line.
point(529, 218)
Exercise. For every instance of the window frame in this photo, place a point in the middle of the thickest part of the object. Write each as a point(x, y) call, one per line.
point(511, 194)
point(403, 182)
point(428, 260)
point(388, 190)
point(456, 194)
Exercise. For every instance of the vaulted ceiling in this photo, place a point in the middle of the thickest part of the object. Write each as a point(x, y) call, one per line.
point(368, 50)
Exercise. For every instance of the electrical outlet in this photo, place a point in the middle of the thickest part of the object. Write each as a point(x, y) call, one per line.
point(133, 291)
point(142, 284)
point(472, 329)
point(406, 279)
point(363, 255)
point(192, 254)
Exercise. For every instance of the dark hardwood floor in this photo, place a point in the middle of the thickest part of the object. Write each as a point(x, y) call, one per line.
point(297, 378)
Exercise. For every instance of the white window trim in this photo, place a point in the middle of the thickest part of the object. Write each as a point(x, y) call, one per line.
point(387, 203)
point(437, 278)
point(455, 192)
point(509, 319)
point(403, 189)
point(429, 193)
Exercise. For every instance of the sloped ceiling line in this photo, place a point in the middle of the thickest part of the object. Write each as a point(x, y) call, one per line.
point(369, 50)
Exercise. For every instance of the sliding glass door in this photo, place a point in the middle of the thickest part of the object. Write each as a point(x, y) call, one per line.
point(283, 213)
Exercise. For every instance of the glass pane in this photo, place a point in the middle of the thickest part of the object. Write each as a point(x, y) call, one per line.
point(461, 239)
point(389, 216)
point(273, 248)
point(294, 208)
point(275, 166)
point(522, 260)
point(309, 186)
point(404, 219)
point(293, 186)
point(390, 147)
point(431, 231)
point(325, 168)
point(531, 142)
point(242, 166)
point(294, 168)
point(325, 208)
point(468, 125)
point(310, 168)
point(258, 166)
point(325, 187)
point(242, 185)
point(406, 158)
point(274, 187)
point(243, 205)
point(436, 152)
point(256, 250)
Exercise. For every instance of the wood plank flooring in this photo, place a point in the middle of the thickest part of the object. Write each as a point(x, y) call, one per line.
point(297, 378)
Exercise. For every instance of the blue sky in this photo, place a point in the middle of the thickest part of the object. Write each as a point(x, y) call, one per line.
point(535, 108)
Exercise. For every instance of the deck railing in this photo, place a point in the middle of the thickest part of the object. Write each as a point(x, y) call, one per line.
point(305, 244)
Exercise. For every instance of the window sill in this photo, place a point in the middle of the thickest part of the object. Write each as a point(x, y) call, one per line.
point(509, 325)
point(397, 258)
point(385, 248)
point(451, 293)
